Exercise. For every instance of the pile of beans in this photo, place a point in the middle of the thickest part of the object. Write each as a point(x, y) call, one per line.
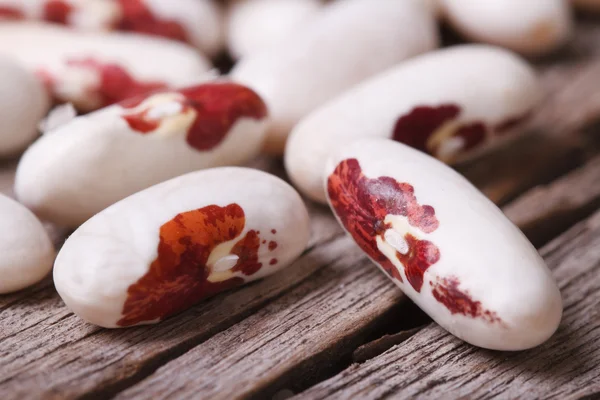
point(356, 97)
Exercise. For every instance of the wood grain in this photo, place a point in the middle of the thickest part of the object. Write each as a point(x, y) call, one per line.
point(558, 204)
point(432, 364)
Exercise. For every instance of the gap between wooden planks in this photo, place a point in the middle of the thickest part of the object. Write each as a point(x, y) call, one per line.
point(46, 351)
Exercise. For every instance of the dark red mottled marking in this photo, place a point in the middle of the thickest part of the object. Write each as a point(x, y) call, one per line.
point(273, 231)
point(512, 123)
point(473, 134)
point(116, 84)
point(362, 204)
point(7, 12)
point(272, 245)
point(177, 278)
point(57, 11)
point(217, 107)
point(416, 128)
point(273, 261)
point(264, 241)
point(138, 17)
point(447, 292)
point(421, 255)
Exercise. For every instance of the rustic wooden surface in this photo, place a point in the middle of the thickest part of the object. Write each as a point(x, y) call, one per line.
point(331, 325)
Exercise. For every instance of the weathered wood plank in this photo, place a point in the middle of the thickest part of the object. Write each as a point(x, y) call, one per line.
point(557, 205)
point(433, 364)
point(327, 315)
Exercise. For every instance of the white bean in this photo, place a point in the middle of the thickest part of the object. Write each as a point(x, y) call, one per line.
point(347, 42)
point(198, 22)
point(93, 70)
point(27, 252)
point(162, 250)
point(23, 103)
point(255, 25)
point(448, 247)
point(531, 27)
point(453, 103)
point(80, 168)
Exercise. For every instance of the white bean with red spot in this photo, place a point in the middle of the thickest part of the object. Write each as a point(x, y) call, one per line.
point(27, 252)
point(91, 69)
point(448, 247)
point(198, 22)
point(77, 169)
point(162, 250)
point(255, 25)
point(23, 103)
point(531, 27)
point(453, 103)
point(347, 42)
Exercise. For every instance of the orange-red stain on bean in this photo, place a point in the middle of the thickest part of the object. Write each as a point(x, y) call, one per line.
point(115, 83)
point(57, 11)
point(177, 278)
point(447, 292)
point(138, 17)
point(416, 127)
point(362, 204)
point(272, 245)
point(8, 12)
point(217, 107)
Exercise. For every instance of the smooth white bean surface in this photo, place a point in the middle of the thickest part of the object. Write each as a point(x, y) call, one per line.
point(453, 103)
point(27, 252)
point(255, 25)
point(346, 43)
point(160, 251)
point(441, 241)
point(197, 22)
point(23, 103)
point(80, 168)
point(93, 70)
point(531, 27)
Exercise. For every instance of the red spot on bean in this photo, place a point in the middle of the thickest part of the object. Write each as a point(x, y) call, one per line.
point(512, 123)
point(417, 127)
point(138, 17)
point(273, 261)
point(264, 241)
point(473, 134)
point(362, 205)
point(8, 12)
point(57, 11)
point(421, 255)
point(47, 79)
point(115, 83)
point(178, 277)
point(273, 231)
point(447, 292)
point(217, 107)
point(272, 245)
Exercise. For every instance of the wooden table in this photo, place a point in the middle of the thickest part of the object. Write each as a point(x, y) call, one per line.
point(331, 325)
